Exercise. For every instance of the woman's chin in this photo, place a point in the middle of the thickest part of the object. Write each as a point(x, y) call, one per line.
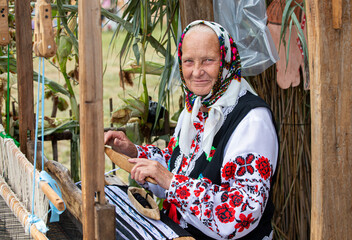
point(201, 91)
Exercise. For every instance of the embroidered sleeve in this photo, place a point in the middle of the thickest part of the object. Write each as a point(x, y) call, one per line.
point(154, 153)
point(234, 208)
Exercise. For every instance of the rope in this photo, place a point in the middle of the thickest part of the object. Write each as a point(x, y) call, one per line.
point(8, 91)
point(32, 218)
point(36, 129)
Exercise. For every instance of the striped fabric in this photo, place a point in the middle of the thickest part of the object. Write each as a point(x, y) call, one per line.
point(130, 224)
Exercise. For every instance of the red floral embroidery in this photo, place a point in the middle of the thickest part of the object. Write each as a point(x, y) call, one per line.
point(206, 198)
point(184, 162)
point(200, 116)
point(207, 213)
point(263, 166)
point(167, 157)
point(145, 148)
point(195, 210)
point(193, 144)
point(198, 126)
point(225, 213)
point(245, 165)
point(183, 192)
point(225, 186)
point(175, 202)
point(181, 178)
point(245, 222)
point(229, 170)
point(236, 199)
point(198, 191)
point(172, 142)
point(212, 152)
point(142, 155)
point(171, 145)
point(224, 197)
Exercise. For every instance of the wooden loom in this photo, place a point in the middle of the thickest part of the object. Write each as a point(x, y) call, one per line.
point(88, 206)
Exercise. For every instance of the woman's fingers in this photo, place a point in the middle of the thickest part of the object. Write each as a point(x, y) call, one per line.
point(120, 143)
point(149, 168)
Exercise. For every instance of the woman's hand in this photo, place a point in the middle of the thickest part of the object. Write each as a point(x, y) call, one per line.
point(120, 143)
point(150, 168)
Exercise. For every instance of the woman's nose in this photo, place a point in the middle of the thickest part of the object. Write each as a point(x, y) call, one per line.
point(198, 70)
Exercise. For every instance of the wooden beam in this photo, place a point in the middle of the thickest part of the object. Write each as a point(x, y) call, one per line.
point(91, 121)
point(330, 61)
point(24, 71)
point(337, 13)
point(192, 10)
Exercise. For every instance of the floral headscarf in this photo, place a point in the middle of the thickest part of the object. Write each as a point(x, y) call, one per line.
point(230, 65)
point(223, 94)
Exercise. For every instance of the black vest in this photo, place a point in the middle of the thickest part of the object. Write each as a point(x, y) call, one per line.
point(206, 169)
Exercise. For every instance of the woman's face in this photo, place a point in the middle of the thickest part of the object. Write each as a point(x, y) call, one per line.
point(200, 61)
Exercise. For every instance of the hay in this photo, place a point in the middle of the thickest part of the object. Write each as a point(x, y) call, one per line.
point(292, 192)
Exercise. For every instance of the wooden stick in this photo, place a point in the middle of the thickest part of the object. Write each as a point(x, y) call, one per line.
point(24, 57)
point(121, 160)
point(17, 208)
point(52, 195)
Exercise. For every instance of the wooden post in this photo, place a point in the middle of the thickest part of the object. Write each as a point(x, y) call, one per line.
point(330, 61)
point(24, 71)
point(91, 123)
point(192, 10)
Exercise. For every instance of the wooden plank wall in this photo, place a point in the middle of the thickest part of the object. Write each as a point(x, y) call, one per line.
point(24, 71)
point(191, 10)
point(330, 59)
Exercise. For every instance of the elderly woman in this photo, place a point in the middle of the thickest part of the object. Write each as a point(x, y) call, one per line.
point(217, 172)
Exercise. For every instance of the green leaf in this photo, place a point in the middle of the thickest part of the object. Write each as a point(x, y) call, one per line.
point(65, 47)
point(284, 21)
point(52, 85)
point(288, 44)
point(61, 9)
point(136, 50)
point(301, 35)
point(69, 125)
point(12, 66)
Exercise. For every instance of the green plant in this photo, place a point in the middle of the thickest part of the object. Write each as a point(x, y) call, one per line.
point(289, 19)
point(140, 19)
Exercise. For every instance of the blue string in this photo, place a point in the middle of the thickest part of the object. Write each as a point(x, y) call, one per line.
point(43, 94)
point(43, 176)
